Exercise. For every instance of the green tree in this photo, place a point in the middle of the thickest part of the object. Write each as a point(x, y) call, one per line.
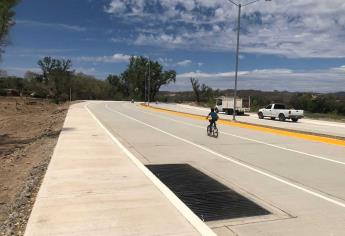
point(57, 75)
point(137, 73)
point(301, 101)
point(207, 94)
point(196, 89)
point(34, 85)
point(6, 21)
point(203, 93)
point(117, 87)
point(47, 65)
point(89, 88)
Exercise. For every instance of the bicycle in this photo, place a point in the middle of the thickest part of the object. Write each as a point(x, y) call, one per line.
point(212, 130)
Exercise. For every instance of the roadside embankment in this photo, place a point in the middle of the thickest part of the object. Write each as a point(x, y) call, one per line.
point(29, 129)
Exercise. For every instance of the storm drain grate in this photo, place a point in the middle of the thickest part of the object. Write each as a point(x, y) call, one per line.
point(206, 197)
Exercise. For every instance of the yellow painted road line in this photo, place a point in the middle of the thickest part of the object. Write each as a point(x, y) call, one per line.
point(277, 131)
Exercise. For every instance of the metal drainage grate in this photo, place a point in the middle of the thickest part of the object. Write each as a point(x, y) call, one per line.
point(206, 197)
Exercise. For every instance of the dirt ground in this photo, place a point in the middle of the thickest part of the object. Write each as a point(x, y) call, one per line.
point(29, 129)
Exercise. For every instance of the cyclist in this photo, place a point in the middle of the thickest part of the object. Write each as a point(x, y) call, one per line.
point(214, 117)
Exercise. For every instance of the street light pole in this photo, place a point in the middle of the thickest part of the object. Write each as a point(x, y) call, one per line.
point(237, 55)
point(149, 83)
point(145, 90)
point(238, 48)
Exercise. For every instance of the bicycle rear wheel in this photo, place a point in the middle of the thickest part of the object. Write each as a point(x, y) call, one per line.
point(215, 132)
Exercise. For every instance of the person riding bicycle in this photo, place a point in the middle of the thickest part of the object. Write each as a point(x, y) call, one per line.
point(214, 118)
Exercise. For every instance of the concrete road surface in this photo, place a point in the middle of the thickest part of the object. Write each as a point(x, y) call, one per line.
point(306, 125)
point(94, 186)
point(301, 182)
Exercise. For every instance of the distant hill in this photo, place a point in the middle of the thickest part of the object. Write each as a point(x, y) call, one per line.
point(341, 94)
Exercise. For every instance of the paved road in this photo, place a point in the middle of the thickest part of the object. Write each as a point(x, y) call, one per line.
point(307, 125)
point(302, 182)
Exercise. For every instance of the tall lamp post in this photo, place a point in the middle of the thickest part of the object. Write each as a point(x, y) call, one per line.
point(148, 82)
point(145, 89)
point(239, 5)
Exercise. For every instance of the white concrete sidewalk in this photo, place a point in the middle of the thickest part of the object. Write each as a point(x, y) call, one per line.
point(92, 188)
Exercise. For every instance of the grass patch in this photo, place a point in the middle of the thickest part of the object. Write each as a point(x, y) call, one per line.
point(321, 116)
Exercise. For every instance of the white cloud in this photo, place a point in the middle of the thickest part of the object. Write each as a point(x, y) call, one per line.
point(216, 28)
point(340, 69)
point(328, 80)
point(241, 56)
point(52, 25)
point(162, 39)
point(116, 7)
point(24, 69)
point(184, 63)
point(292, 28)
point(168, 62)
point(118, 40)
point(116, 58)
point(38, 52)
point(88, 71)
point(20, 71)
point(205, 75)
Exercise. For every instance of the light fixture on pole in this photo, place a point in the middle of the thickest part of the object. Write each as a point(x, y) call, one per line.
point(239, 5)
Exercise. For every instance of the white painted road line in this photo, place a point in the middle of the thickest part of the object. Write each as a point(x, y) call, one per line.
point(328, 199)
point(253, 140)
point(194, 220)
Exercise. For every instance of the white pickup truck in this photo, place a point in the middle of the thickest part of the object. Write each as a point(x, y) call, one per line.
point(279, 111)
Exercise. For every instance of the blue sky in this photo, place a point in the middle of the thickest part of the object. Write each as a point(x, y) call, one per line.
point(294, 45)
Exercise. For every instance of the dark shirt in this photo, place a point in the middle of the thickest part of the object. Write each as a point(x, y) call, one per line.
point(213, 115)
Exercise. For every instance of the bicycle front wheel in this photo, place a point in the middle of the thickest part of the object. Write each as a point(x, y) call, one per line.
point(209, 131)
